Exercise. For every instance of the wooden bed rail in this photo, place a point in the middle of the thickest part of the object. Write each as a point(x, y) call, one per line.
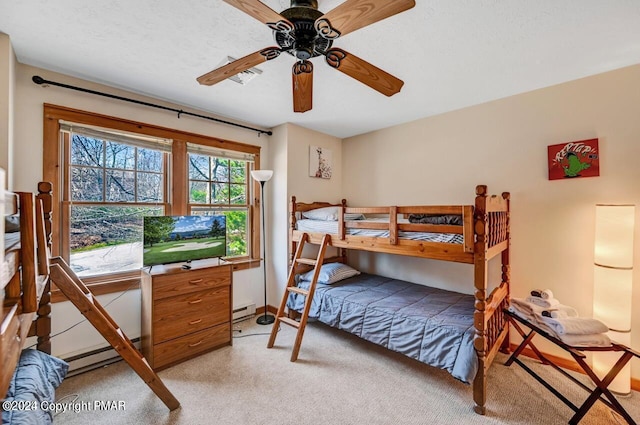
point(394, 244)
point(494, 319)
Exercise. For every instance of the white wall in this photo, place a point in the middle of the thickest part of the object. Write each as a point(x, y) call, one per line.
point(7, 88)
point(503, 144)
point(27, 172)
point(277, 213)
point(290, 156)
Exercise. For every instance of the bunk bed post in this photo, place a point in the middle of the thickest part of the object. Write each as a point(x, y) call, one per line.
point(43, 319)
point(28, 255)
point(341, 225)
point(480, 283)
point(506, 267)
point(292, 226)
point(342, 252)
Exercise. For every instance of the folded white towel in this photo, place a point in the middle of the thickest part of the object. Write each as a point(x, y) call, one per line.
point(546, 294)
point(523, 313)
point(560, 311)
point(593, 340)
point(542, 293)
point(576, 325)
point(531, 313)
point(544, 303)
point(526, 308)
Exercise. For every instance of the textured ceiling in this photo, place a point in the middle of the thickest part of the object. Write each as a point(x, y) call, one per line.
point(450, 54)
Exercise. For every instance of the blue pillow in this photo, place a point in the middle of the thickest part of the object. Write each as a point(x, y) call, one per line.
point(331, 273)
point(35, 379)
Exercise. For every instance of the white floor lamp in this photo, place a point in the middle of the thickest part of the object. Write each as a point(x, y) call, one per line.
point(263, 176)
point(613, 285)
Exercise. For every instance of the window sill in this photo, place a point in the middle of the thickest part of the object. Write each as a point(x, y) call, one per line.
point(131, 282)
point(244, 263)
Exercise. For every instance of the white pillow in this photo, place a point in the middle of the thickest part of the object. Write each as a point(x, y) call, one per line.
point(330, 214)
point(331, 273)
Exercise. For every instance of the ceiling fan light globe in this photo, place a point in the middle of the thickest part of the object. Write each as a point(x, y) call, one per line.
point(303, 53)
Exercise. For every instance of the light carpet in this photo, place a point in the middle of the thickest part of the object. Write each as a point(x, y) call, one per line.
point(338, 379)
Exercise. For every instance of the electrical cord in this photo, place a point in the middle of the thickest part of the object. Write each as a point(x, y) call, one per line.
point(75, 397)
point(85, 319)
point(255, 334)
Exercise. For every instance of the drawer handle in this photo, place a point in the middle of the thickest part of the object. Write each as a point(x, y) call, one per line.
point(195, 322)
point(199, 300)
point(193, 282)
point(197, 343)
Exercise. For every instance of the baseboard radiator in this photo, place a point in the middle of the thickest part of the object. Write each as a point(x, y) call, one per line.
point(244, 312)
point(107, 355)
point(95, 359)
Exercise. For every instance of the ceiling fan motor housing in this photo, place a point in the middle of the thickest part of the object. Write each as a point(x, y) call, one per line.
point(303, 42)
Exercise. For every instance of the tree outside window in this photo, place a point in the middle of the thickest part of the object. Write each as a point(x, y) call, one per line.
point(219, 186)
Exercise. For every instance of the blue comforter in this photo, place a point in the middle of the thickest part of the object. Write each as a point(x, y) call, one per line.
point(431, 325)
point(33, 388)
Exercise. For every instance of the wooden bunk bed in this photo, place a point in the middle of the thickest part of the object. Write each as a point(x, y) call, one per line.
point(483, 233)
point(26, 297)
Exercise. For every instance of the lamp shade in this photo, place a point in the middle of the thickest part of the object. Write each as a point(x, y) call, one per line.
point(614, 235)
point(262, 175)
point(613, 265)
point(613, 284)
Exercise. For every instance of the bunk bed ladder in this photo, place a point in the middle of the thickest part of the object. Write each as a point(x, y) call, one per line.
point(308, 294)
point(77, 292)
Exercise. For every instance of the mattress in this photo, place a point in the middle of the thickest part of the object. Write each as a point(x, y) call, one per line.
point(331, 227)
point(11, 240)
point(431, 325)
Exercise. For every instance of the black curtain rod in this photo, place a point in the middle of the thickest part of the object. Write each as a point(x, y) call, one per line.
point(39, 80)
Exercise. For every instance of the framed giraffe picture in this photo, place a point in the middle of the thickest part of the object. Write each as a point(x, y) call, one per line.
point(320, 162)
point(574, 160)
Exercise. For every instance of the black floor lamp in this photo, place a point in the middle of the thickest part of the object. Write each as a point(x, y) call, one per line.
point(263, 176)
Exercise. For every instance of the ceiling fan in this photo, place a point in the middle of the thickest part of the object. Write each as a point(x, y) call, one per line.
point(304, 32)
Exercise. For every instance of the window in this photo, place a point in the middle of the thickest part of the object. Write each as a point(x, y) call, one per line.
point(219, 185)
point(108, 173)
point(113, 184)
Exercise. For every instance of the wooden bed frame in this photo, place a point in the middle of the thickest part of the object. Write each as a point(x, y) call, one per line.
point(485, 233)
point(26, 292)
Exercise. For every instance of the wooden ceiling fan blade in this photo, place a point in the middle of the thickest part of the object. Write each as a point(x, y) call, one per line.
point(302, 81)
point(355, 14)
point(237, 66)
point(263, 13)
point(363, 71)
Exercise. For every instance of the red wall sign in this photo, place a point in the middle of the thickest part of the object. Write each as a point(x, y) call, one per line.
point(574, 160)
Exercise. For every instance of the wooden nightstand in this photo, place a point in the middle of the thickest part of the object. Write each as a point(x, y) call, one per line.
point(185, 312)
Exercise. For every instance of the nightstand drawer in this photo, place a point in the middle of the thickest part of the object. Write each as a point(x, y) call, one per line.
point(188, 346)
point(187, 281)
point(184, 314)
